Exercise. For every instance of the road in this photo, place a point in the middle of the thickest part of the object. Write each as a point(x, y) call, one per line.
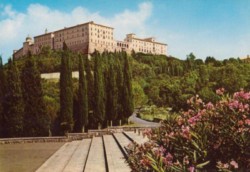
point(140, 122)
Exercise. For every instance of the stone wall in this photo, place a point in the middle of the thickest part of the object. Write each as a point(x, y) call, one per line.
point(56, 75)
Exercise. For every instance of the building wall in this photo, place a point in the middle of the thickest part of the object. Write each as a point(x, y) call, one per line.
point(87, 38)
point(101, 38)
point(147, 45)
point(76, 38)
point(46, 39)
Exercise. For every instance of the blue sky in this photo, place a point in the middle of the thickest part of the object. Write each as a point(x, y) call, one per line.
point(219, 28)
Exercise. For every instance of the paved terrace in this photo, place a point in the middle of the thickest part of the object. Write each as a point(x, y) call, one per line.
point(105, 153)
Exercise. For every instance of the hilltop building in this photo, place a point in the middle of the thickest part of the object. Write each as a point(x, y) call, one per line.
point(87, 38)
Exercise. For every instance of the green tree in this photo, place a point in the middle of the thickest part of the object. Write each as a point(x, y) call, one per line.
point(13, 103)
point(128, 103)
point(90, 86)
point(140, 98)
point(111, 94)
point(2, 92)
point(66, 92)
point(36, 120)
point(99, 110)
point(119, 84)
point(82, 96)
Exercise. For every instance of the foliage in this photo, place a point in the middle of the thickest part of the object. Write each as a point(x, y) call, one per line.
point(36, 119)
point(2, 92)
point(82, 96)
point(140, 98)
point(207, 137)
point(99, 110)
point(168, 81)
point(66, 92)
point(128, 106)
point(13, 104)
point(111, 92)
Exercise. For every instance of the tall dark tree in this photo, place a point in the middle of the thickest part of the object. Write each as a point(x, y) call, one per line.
point(36, 120)
point(66, 92)
point(99, 110)
point(13, 103)
point(82, 96)
point(128, 105)
point(120, 86)
point(2, 92)
point(90, 86)
point(111, 94)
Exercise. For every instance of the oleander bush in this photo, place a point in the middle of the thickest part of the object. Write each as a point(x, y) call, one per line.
point(207, 137)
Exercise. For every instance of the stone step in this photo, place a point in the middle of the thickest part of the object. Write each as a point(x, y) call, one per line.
point(115, 159)
point(96, 158)
point(78, 159)
point(136, 137)
point(122, 142)
point(59, 159)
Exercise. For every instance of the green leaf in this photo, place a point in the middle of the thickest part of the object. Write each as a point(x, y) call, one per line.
point(195, 145)
point(202, 164)
point(195, 157)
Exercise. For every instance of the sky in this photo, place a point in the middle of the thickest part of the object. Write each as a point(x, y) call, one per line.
point(218, 28)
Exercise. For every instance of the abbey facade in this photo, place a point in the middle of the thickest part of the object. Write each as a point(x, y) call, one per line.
point(87, 38)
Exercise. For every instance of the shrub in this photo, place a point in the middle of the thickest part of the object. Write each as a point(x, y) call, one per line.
point(207, 137)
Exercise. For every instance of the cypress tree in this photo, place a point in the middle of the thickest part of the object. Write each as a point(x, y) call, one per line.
point(111, 94)
point(99, 110)
point(82, 96)
point(66, 92)
point(128, 106)
point(36, 120)
point(90, 86)
point(13, 103)
point(2, 92)
point(120, 86)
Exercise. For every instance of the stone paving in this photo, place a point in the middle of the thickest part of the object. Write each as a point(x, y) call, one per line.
point(138, 138)
point(99, 154)
point(123, 140)
point(59, 160)
point(96, 158)
point(78, 159)
point(115, 158)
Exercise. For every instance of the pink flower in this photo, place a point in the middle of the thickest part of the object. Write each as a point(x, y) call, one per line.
point(210, 106)
point(145, 162)
point(225, 165)
point(191, 169)
point(234, 104)
point(185, 160)
point(246, 107)
point(220, 91)
point(240, 122)
point(234, 164)
point(168, 159)
point(159, 151)
point(241, 95)
point(185, 132)
point(192, 121)
point(247, 121)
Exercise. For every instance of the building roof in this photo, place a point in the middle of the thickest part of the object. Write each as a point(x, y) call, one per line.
point(91, 22)
point(149, 41)
point(43, 34)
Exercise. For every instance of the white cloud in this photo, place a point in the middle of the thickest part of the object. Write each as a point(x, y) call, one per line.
point(15, 26)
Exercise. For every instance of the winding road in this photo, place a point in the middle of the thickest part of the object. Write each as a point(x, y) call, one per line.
point(140, 122)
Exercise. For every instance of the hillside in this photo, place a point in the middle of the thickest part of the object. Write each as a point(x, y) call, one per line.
point(167, 81)
point(157, 81)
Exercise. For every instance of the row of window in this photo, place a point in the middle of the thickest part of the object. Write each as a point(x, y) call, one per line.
point(42, 38)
